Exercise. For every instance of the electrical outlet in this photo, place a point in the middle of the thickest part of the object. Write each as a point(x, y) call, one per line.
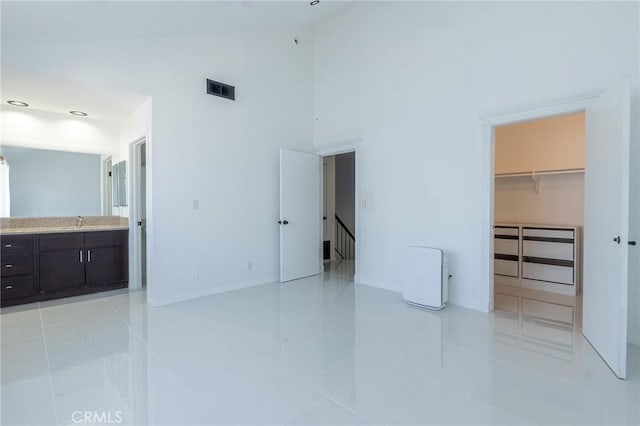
point(249, 265)
point(194, 272)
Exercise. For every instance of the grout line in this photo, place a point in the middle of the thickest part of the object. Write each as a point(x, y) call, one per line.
point(151, 352)
point(46, 351)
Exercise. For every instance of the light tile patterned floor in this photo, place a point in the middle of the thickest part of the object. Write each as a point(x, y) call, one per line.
point(318, 351)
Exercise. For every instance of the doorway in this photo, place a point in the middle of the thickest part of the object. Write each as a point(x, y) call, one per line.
point(539, 168)
point(339, 213)
point(606, 214)
point(138, 214)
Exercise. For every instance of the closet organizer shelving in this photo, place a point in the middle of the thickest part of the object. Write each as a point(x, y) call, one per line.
point(538, 256)
point(535, 174)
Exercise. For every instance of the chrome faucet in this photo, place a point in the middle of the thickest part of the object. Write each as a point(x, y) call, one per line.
point(79, 221)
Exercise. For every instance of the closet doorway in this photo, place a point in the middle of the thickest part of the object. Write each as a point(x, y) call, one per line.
point(539, 168)
point(541, 252)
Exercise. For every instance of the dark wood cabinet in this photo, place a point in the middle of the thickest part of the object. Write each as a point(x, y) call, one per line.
point(60, 270)
point(17, 268)
point(49, 266)
point(107, 258)
point(61, 264)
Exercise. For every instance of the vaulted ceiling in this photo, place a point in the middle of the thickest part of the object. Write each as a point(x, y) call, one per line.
point(73, 20)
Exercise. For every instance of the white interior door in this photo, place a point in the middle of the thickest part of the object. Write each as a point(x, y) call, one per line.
point(299, 215)
point(606, 226)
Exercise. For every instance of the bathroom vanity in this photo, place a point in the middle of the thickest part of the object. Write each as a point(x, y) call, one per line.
point(50, 262)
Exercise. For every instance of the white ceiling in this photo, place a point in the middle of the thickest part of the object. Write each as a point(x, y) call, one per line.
point(46, 94)
point(23, 20)
point(74, 20)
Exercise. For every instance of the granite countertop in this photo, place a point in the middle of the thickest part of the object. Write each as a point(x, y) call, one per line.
point(62, 229)
point(55, 225)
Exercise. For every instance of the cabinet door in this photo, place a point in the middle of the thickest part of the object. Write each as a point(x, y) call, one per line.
point(104, 266)
point(60, 270)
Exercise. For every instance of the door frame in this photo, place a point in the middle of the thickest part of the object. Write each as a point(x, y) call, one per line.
point(354, 147)
point(135, 273)
point(488, 123)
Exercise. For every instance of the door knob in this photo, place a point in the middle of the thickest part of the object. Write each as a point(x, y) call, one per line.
point(632, 243)
point(617, 239)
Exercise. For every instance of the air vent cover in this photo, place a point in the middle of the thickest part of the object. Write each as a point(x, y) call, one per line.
point(220, 89)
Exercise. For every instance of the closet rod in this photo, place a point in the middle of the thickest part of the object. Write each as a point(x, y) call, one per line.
point(541, 172)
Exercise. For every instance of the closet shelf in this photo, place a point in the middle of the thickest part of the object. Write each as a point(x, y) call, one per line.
point(534, 174)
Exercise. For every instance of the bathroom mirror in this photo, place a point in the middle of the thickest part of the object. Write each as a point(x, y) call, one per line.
point(53, 183)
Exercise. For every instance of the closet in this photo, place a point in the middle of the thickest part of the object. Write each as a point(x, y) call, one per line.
point(539, 205)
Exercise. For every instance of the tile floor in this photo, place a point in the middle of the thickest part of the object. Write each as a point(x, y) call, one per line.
point(318, 351)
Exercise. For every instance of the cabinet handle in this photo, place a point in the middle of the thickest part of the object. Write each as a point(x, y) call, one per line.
point(9, 287)
point(89, 256)
point(8, 245)
point(80, 256)
point(8, 265)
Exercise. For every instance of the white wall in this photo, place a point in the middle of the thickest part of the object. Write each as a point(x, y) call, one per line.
point(220, 152)
point(412, 79)
point(134, 127)
point(61, 132)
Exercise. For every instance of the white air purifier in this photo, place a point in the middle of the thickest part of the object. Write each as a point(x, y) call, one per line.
point(425, 277)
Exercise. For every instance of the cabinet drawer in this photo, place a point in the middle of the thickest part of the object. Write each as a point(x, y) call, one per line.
point(505, 267)
point(549, 250)
point(14, 287)
point(53, 242)
point(16, 244)
point(503, 246)
point(16, 264)
point(510, 231)
point(546, 272)
point(548, 233)
point(104, 238)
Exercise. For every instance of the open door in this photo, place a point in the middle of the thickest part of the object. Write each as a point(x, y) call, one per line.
point(606, 226)
point(299, 215)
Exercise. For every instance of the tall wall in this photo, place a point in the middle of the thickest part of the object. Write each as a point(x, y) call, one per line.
point(413, 80)
point(222, 153)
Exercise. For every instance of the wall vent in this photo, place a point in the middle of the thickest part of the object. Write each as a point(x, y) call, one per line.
point(220, 89)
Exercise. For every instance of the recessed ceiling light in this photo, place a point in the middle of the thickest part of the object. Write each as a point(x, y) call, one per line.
point(18, 103)
point(78, 113)
point(314, 2)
